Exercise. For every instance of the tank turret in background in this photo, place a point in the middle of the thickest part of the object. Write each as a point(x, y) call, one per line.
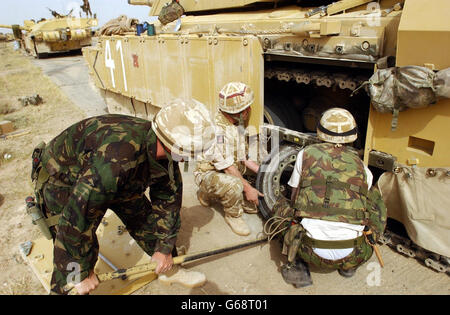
point(302, 58)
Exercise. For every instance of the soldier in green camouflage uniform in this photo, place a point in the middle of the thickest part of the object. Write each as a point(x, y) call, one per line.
point(333, 205)
point(100, 163)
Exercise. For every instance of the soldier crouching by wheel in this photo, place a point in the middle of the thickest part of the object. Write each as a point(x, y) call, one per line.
point(220, 173)
point(108, 162)
point(335, 213)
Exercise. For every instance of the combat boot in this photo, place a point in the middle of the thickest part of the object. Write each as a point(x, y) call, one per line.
point(249, 207)
point(238, 225)
point(348, 273)
point(297, 273)
point(203, 198)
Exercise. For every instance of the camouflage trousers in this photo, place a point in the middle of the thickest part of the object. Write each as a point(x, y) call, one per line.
point(358, 256)
point(71, 247)
point(225, 189)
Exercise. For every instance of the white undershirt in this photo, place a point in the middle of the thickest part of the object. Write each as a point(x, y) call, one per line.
point(328, 230)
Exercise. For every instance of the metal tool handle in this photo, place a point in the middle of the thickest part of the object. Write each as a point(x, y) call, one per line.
point(369, 238)
point(150, 267)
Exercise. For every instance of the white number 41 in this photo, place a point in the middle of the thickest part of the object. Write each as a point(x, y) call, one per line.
point(109, 62)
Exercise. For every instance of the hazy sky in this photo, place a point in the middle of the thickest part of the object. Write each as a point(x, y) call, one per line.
point(16, 11)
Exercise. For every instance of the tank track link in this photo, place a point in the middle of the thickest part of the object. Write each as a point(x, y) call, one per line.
point(319, 78)
point(407, 248)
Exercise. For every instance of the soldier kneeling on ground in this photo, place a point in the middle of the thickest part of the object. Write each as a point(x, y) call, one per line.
point(335, 213)
point(108, 162)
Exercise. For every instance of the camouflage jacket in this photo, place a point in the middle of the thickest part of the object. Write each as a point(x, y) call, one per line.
point(231, 148)
point(112, 158)
point(333, 186)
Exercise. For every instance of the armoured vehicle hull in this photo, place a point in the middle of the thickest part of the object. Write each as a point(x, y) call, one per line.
point(301, 61)
point(60, 34)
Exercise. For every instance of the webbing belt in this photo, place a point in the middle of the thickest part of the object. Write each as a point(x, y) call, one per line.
point(171, 172)
point(53, 220)
point(323, 182)
point(325, 208)
point(42, 178)
point(357, 214)
point(332, 244)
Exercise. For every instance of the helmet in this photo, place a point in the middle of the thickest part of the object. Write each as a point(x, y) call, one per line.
point(337, 125)
point(235, 97)
point(185, 127)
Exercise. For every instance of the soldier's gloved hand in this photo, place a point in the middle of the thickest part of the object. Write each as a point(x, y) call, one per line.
point(252, 195)
point(87, 285)
point(165, 262)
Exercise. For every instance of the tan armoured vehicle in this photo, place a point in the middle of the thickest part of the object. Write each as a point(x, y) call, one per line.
point(62, 33)
point(301, 58)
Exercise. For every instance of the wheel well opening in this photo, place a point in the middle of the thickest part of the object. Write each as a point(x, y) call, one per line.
point(296, 94)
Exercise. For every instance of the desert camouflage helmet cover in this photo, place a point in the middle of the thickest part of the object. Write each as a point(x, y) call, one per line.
point(185, 127)
point(337, 125)
point(235, 97)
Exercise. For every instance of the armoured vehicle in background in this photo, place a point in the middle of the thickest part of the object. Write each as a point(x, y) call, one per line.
point(62, 33)
point(3, 37)
point(301, 58)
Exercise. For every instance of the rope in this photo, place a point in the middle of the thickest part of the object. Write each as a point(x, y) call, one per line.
point(118, 26)
point(272, 231)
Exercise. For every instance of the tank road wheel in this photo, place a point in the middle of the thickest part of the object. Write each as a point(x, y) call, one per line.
point(280, 114)
point(275, 171)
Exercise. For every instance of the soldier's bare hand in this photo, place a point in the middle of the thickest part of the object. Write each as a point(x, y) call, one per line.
point(87, 285)
point(252, 195)
point(164, 262)
point(253, 166)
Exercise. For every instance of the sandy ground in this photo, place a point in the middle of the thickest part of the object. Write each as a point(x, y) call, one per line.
point(70, 74)
point(251, 271)
point(19, 78)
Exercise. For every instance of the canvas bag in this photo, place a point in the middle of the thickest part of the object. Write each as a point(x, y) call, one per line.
point(395, 89)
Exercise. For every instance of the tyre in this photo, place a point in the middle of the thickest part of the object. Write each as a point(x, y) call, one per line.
point(274, 173)
point(274, 117)
point(283, 116)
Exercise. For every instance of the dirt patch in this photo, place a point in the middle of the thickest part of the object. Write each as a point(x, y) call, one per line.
point(44, 122)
